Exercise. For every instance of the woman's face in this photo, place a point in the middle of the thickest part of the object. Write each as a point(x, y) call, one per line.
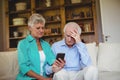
point(37, 31)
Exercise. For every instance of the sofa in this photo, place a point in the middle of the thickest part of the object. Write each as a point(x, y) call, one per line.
point(105, 56)
point(8, 65)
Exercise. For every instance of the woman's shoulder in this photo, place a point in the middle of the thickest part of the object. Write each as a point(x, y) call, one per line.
point(23, 41)
point(27, 39)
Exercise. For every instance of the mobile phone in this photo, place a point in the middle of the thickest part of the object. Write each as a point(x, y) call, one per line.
point(60, 55)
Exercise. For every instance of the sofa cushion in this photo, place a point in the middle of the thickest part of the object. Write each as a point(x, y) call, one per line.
point(8, 65)
point(92, 50)
point(109, 75)
point(108, 57)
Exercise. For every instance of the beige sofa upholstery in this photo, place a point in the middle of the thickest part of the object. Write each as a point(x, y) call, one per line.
point(105, 56)
point(8, 65)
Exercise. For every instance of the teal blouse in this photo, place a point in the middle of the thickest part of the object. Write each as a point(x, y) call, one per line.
point(29, 59)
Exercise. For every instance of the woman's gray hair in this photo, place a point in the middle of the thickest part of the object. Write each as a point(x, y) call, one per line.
point(72, 24)
point(34, 19)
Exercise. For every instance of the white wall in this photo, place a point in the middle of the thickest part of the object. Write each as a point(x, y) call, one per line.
point(110, 16)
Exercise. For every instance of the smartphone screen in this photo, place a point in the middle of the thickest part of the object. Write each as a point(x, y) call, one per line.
point(60, 55)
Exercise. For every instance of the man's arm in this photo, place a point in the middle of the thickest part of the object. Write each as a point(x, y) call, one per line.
point(85, 57)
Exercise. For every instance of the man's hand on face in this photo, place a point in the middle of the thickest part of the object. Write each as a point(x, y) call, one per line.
point(75, 35)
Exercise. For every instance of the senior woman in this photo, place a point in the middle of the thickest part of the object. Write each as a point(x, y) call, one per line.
point(33, 52)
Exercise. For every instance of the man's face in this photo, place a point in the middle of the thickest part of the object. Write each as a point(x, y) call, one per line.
point(70, 41)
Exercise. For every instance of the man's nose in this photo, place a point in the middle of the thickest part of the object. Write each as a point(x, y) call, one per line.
point(69, 39)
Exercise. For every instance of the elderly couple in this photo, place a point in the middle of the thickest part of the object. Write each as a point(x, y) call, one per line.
point(37, 59)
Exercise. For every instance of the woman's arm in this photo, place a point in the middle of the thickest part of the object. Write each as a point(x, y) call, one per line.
point(34, 75)
point(38, 77)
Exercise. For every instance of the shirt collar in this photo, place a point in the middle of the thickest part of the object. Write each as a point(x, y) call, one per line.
point(64, 44)
point(30, 38)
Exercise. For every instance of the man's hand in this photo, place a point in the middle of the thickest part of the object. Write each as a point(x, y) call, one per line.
point(75, 35)
point(58, 65)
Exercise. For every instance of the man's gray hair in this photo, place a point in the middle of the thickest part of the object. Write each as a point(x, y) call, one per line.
point(34, 19)
point(72, 24)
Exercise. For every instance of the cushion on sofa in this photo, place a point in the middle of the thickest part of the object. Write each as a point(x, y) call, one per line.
point(108, 57)
point(92, 50)
point(8, 65)
point(109, 75)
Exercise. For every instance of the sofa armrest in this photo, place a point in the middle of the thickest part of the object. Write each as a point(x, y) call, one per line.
point(8, 65)
point(108, 57)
